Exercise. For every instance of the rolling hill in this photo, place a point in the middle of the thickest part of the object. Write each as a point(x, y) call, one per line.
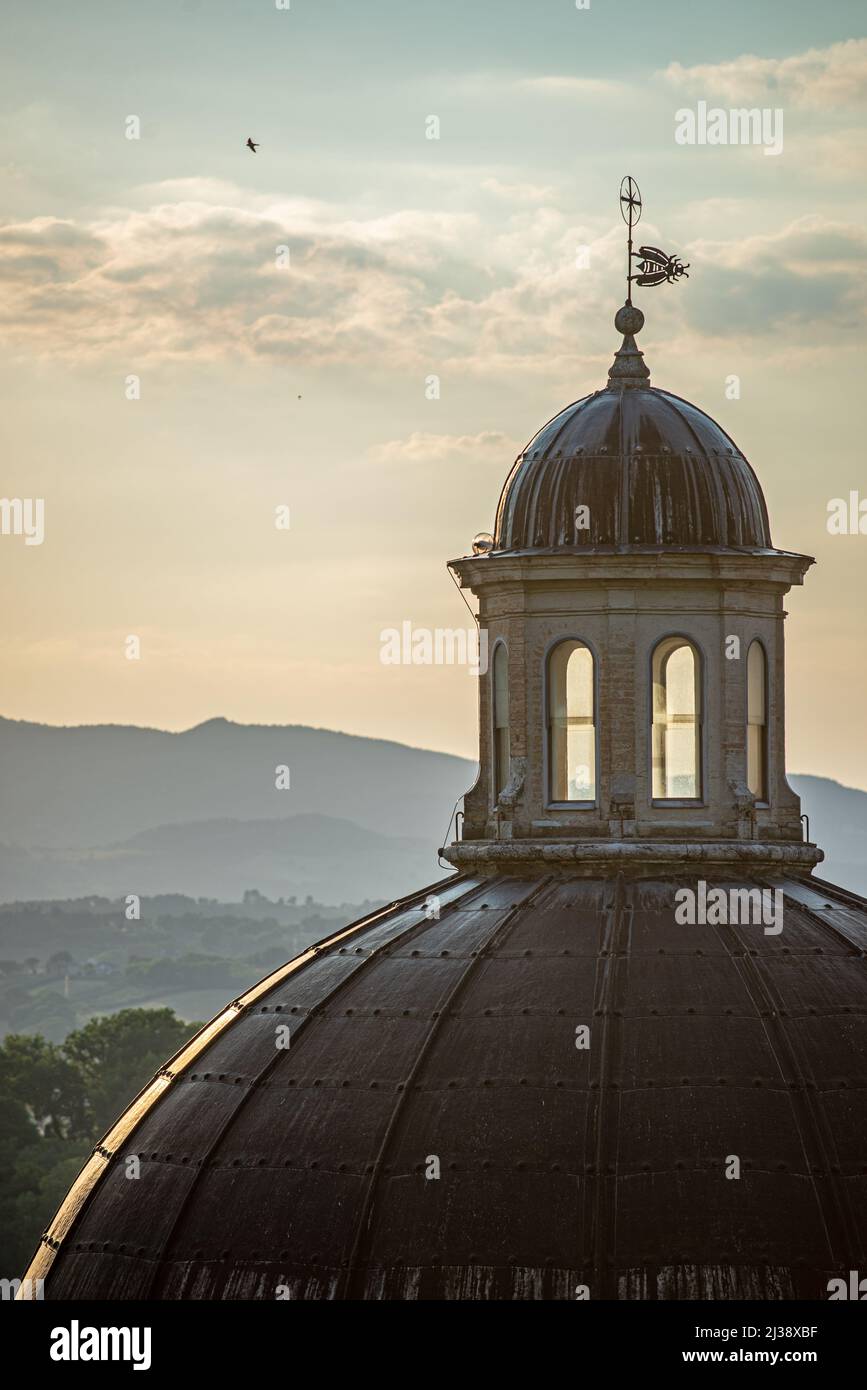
point(112, 809)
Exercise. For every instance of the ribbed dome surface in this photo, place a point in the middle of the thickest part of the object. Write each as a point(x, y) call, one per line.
point(652, 469)
point(308, 1167)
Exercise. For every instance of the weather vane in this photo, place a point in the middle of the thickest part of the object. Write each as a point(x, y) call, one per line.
point(654, 267)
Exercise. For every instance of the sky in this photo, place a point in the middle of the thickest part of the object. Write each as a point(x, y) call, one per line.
point(277, 317)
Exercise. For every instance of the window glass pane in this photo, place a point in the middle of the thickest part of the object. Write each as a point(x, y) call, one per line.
point(757, 741)
point(756, 684)
point(755, 761)
point(572, 731)
point(501, 719)
point(676, 734)
point(680, 685)
point(580, 763)
point(579, 685)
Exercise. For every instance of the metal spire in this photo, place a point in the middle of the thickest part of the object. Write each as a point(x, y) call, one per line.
point(653, 267)
point(630, 211)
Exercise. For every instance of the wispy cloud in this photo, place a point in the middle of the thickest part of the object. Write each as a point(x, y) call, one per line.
point(820, 78)
point(422, 447)
point(201, 279)
point(519, 192)
point(811, 272)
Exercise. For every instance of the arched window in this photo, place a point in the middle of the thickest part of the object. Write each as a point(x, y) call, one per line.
point(757, 722)
point(571, 723)
point(676, 721)
point(501, 719)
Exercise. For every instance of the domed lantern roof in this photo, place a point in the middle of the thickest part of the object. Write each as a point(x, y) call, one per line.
point(650, 469)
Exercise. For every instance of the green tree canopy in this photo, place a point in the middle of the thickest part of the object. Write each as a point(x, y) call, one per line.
point(117, 1055)
point(35, 1074)
point(57, 1100)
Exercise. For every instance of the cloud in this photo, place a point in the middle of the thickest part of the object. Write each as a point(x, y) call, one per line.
point(519, 192)
point(421, 447)
point(199, 279)
point(809, 246)
point(812, 271)
point(821, 78)
point(48, 251)
point(841, 154)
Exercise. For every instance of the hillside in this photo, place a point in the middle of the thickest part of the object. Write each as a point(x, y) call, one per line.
point(111, 809)
point(102, 784)
point(300, 855)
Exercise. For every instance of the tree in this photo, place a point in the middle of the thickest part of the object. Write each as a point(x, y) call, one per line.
point(117, 1055)
point(55, 1101)
point(35, 1074)
point(35, 1174)
point(59, 963)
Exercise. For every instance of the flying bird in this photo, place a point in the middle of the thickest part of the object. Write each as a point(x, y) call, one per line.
point(251, 145)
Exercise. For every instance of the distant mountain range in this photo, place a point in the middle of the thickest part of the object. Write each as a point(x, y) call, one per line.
point(294, 856)
point(101, 783)
point(838, 825)
point(111, 809)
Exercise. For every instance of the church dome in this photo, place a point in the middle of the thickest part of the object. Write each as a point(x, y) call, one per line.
point(434, 1130)
point(651, 469)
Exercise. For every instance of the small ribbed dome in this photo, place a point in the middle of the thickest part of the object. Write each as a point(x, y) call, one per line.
point(652, 469)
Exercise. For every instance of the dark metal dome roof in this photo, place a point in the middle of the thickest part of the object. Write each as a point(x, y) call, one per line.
point(413, 1039)
point(653, 470)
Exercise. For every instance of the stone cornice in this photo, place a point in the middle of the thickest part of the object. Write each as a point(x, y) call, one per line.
point(586, 566)
point(518, 856)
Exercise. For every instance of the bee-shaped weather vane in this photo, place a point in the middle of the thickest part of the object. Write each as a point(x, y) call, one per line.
point(654, 267)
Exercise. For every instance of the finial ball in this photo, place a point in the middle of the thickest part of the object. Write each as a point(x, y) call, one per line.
point(628, 319)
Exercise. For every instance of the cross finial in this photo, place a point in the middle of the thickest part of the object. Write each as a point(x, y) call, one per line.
point(630, 211)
